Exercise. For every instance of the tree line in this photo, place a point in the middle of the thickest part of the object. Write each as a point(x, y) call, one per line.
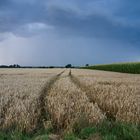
point(18, 66)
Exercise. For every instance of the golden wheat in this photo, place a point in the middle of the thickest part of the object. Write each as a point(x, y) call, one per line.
point(19, 96)
point(67, 103)
point(117, 94)
point(27, 95)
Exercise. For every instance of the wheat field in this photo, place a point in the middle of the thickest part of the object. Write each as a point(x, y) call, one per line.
point(32, 99)
point(20, 91)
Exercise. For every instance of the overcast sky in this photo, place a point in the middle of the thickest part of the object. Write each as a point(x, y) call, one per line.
point(57, 32)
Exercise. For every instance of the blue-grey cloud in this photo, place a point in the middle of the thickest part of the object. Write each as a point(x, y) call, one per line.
point(59, 26)
point(15, 14)
point(76, 17)
point(94, 25)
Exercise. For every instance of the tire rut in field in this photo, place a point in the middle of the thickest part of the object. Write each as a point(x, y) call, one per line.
point(42, 102)
point(68, 105)
point(84, 88)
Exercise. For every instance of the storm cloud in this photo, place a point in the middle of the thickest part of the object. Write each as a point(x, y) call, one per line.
point(57, 32)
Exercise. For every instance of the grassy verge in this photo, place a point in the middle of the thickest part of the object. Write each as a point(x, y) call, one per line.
point(106, 131)
point(122, 67)
point(17, 135)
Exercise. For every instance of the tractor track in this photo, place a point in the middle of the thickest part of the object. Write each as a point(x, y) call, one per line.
point(44, 115)
point(84, 88)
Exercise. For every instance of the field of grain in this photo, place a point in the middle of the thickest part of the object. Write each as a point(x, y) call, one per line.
point(20, 97)
point(118, 95)
point(65, 100)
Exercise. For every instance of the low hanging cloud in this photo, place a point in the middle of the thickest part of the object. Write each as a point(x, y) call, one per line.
point(93, 31)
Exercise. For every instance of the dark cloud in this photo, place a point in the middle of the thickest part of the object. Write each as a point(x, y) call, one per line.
point(3, 3)
point(67, 18)
point(15, 14)
point(93, 25)
point(99, 24)
point(129, 9)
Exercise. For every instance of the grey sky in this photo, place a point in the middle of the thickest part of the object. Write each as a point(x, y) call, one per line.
point(57, 32)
